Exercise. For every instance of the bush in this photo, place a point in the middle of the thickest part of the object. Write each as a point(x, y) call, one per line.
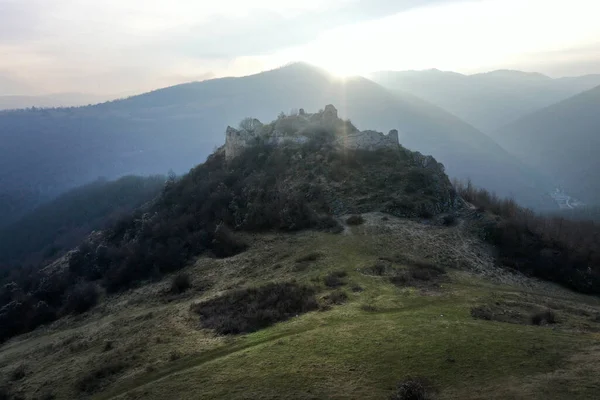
point(484, 313)
point(95, 379)
point(180, 283)
point(355, 220)
point(401, 278)
point(18, 373)
point(310, 257)
point(80, 298)
point(449, 220)
point(226, 243)
point(413, 389)
point(425, 271)
point(368, 307)
point(543, 318)
point(252, 309)
point(357, 288)
point(335, 279)
point(420, 271)
point(336, 297)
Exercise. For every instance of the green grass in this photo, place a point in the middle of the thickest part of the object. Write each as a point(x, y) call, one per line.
point(350, 351)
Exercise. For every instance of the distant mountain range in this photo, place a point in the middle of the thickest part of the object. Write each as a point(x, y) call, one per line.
point(564, 141)
point(488, 100)
point(52, 100)
point(49, 151)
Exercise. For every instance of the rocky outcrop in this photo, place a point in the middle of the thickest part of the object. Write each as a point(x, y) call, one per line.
point(293, 129)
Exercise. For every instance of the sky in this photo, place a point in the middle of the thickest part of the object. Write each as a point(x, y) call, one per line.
point(131, 46)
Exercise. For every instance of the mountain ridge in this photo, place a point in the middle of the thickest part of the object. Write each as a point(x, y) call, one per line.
point(487, 100)
point(562, 139)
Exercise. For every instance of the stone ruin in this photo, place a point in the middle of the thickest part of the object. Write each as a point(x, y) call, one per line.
point(252, 130)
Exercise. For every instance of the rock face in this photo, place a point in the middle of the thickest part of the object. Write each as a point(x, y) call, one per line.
point(294, 129)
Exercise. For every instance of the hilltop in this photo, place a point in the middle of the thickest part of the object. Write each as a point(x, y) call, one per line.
point(304, 259)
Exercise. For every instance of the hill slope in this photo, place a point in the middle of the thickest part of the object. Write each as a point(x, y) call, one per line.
point(489, 100)
point(45, 152)
point(64, 222)
point(562, 140)
point(148, 344)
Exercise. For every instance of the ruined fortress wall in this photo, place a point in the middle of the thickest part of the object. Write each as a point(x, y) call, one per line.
point(369, 140)
point(237, 140)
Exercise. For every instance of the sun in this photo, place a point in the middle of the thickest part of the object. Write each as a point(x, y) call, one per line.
point(342, 70)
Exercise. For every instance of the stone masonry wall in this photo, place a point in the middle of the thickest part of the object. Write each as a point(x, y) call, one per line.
point(237, 140)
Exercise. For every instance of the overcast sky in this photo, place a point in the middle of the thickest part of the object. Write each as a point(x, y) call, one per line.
point(124, 46)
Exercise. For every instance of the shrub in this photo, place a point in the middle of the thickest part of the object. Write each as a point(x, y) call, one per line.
point(226, 243)
point(543, 318)
point(402, 278)
point(252, 309)
point(180, 283)
point(80, 298)
point(368, 307)
point(425, 272)
point(357, 288)
point(449, 220)
point(335, 279)
point(379, 269)
point(421, 271)
point(174, 355)
point(95, 379)
point(18, 373)
point(336, 297)
point(108, 345)
point(481, 312)
point(310, 257)
point(413, 389)
point(355, 220)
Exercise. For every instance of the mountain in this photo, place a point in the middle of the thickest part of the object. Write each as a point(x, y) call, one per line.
point(48, 151)
point(61, 224)
point(487, 100)
point(13, 102)
point(308, 259)
point(562, 140)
